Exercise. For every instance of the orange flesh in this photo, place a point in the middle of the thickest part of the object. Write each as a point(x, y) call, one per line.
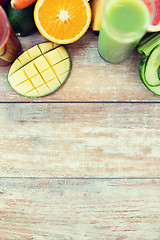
point(59, 21)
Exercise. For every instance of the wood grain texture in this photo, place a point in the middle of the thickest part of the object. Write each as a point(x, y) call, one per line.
point(91, 78)
point(38, 209)
point(80, 140)
point(49, 141)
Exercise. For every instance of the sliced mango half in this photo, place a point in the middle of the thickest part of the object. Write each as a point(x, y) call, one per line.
point(40, 70)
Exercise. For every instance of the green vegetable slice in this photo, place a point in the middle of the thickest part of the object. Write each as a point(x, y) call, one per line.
point(152, 67)
point(148, 43)
point(142, 69)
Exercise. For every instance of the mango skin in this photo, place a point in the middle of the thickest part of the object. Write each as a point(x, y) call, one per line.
point(40, 70)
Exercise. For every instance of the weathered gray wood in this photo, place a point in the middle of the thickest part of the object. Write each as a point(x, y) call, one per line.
point(91, 78)
point(50, 209)
point(79, 140)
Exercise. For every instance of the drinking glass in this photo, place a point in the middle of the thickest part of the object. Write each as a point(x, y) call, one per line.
point(124, 23)
point(9, 43)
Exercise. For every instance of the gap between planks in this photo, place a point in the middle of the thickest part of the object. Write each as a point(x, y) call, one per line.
point(83, 102)
point(84, 178)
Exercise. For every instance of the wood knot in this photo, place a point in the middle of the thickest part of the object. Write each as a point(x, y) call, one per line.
point(1, 192)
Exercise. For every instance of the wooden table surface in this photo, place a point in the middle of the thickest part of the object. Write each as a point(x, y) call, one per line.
point(84, 162)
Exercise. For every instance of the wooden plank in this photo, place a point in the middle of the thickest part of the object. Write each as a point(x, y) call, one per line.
point(79, 209)
point(91, 78)
point(79, 140)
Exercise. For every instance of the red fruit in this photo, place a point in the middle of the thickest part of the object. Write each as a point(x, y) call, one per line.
point(155, 27)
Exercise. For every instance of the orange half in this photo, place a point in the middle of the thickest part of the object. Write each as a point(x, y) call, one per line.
point(62, 21)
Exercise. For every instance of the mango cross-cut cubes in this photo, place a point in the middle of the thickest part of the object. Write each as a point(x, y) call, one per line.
point(40, 70)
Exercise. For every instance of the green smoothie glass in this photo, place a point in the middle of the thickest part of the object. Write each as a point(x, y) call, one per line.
point(124, 23)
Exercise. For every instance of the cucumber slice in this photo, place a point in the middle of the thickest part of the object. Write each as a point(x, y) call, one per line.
point(152, 67)
point(142, 66)
point(142, 69)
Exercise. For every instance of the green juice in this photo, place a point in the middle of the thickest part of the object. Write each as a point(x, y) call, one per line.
point(124, 23)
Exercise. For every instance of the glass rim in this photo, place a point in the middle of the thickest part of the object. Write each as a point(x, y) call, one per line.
point(131, 35)
point(4, 39)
